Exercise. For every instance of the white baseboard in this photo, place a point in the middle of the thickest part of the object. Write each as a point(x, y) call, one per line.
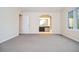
point(8, 38)
point(71, 38)
point(40, 33)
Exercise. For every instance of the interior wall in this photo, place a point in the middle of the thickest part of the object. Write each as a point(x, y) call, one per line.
point(34, 18)
point(9, 23)
point(73, 34)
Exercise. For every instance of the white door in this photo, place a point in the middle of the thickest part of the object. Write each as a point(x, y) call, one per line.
point(25, 24)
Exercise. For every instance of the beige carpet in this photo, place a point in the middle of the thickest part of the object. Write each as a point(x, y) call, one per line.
point(40, 43)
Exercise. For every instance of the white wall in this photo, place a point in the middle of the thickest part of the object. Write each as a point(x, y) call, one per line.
point(69, 33)
point(34, 18)
point(9, 23)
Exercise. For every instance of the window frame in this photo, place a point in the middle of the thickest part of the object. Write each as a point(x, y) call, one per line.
point(75, 20)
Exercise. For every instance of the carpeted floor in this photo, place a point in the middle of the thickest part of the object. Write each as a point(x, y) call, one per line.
point(40, 43)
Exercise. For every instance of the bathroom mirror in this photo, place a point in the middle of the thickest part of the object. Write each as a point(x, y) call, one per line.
point(45, 20)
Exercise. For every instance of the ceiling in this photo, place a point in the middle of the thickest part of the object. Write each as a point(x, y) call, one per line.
point(42, 9)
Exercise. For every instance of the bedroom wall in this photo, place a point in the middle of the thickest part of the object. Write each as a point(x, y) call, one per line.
point(9, 23)
point(34, 18)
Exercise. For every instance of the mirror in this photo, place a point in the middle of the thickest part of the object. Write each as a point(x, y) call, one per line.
point(45, 20)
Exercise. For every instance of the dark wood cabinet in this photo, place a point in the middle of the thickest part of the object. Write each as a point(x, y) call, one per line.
point(43, 29)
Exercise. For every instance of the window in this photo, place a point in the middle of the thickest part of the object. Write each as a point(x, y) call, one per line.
point(77, 17)
point(73, 19)
point(70, 20)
